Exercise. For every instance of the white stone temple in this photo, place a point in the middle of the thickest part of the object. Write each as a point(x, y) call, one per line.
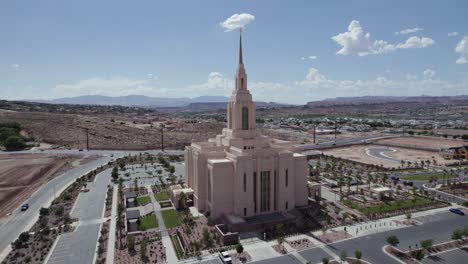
point(240, 172)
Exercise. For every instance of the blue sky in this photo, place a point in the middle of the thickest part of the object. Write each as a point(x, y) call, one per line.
point(294, 51)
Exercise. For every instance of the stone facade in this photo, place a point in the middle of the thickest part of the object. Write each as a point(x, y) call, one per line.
point(241, 172)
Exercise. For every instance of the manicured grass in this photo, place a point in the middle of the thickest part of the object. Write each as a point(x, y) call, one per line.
point(161, 196)
point(170, 218)
point(389, 207)
point(425, 177)
point(142, 200)
point(148, 222)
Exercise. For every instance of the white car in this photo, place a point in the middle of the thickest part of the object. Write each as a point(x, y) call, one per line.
point(225, 257)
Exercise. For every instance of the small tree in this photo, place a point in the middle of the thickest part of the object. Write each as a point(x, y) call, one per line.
point(427, 244)
point(325, 260)
point(408, 216)
point(131, 244)
point(343, 255)
point(457, 234)
point(393, 240)
point(239, 248)
point(43, 211)
point(358, 254)
point(115, 173)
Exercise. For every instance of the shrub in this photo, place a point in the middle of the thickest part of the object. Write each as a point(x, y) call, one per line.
point(14, 143)
point(239, 248)
point(393, 240)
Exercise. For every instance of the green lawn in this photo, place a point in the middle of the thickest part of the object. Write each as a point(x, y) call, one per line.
point(148, 222)
point(389, 207)
point(170, 218)
point(161, 196)
point(142, 200)
point(424, 177)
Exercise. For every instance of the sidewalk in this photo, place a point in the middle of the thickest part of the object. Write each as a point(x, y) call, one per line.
point(112, 228)
point(171, 255)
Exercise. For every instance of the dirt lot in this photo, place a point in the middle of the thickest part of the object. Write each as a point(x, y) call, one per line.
point(22, 174)
point(130, 131)
point(424, 142)
point(364, 154)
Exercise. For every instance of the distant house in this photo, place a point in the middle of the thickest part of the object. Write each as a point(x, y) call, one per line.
point(458, 153)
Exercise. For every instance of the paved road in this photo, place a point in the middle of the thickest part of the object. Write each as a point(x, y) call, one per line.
point(438, 227)
point(339, 142)
point(21, 221)
point(379, 152)
point(79, 246)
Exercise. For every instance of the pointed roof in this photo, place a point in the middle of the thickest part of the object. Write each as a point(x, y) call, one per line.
point(240, 47)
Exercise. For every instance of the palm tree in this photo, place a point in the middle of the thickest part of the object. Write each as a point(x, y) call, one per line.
point(183, 200)
point(369, 180)
point(340, 184)
point(348, 183)
point(359, 180)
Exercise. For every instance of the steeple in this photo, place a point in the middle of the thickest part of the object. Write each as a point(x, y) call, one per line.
point(240, 47)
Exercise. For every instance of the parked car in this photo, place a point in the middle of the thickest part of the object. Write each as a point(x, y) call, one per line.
point(24, 207)
point(395, 178)
point(225, 257)
point(408, 183)
point(456, 211)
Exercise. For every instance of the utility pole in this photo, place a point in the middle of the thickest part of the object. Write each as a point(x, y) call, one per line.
point(87, 139)
point(335, 131)
point(162, 138)
point(314, 134)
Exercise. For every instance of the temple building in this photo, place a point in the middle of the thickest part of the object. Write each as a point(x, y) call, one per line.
point(242, 173)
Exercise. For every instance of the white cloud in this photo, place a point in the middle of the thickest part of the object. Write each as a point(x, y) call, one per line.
point(114, 86)
point(311, 57)
point(452, 34)
point(408, 31)
point(152, 76)
point(15, 67)
point(428, 73)
point(237, 21)
point(357, 41)
point(317, 86)
point(462, 49)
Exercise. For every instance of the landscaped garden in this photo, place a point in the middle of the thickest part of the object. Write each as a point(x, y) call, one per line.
point(389, 207)
point(147, 222)
point(161, 196)
point(426, 177)
point(143, 200)
point(170, 218)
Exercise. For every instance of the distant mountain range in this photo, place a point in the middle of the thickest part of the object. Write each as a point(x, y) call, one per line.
point(387, 99)
point(134, 100)
point(201, 103)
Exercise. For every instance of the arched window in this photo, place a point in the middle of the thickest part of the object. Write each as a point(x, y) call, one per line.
point(245, 118)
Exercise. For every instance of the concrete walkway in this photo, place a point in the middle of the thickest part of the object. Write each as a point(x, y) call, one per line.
point(112, 227)
point(171, 255)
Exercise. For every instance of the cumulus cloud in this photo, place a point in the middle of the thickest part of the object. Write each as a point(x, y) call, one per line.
point(15, 67)
point(357, 41)
point(428, 73)
point(462, 50)
point(452, 34)
point(408, 31)
point(114, 86)
point(311, 57)
point(237, 21)
point(317, 86)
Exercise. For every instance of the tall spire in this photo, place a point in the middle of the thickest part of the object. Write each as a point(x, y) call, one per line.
point(240, 46)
